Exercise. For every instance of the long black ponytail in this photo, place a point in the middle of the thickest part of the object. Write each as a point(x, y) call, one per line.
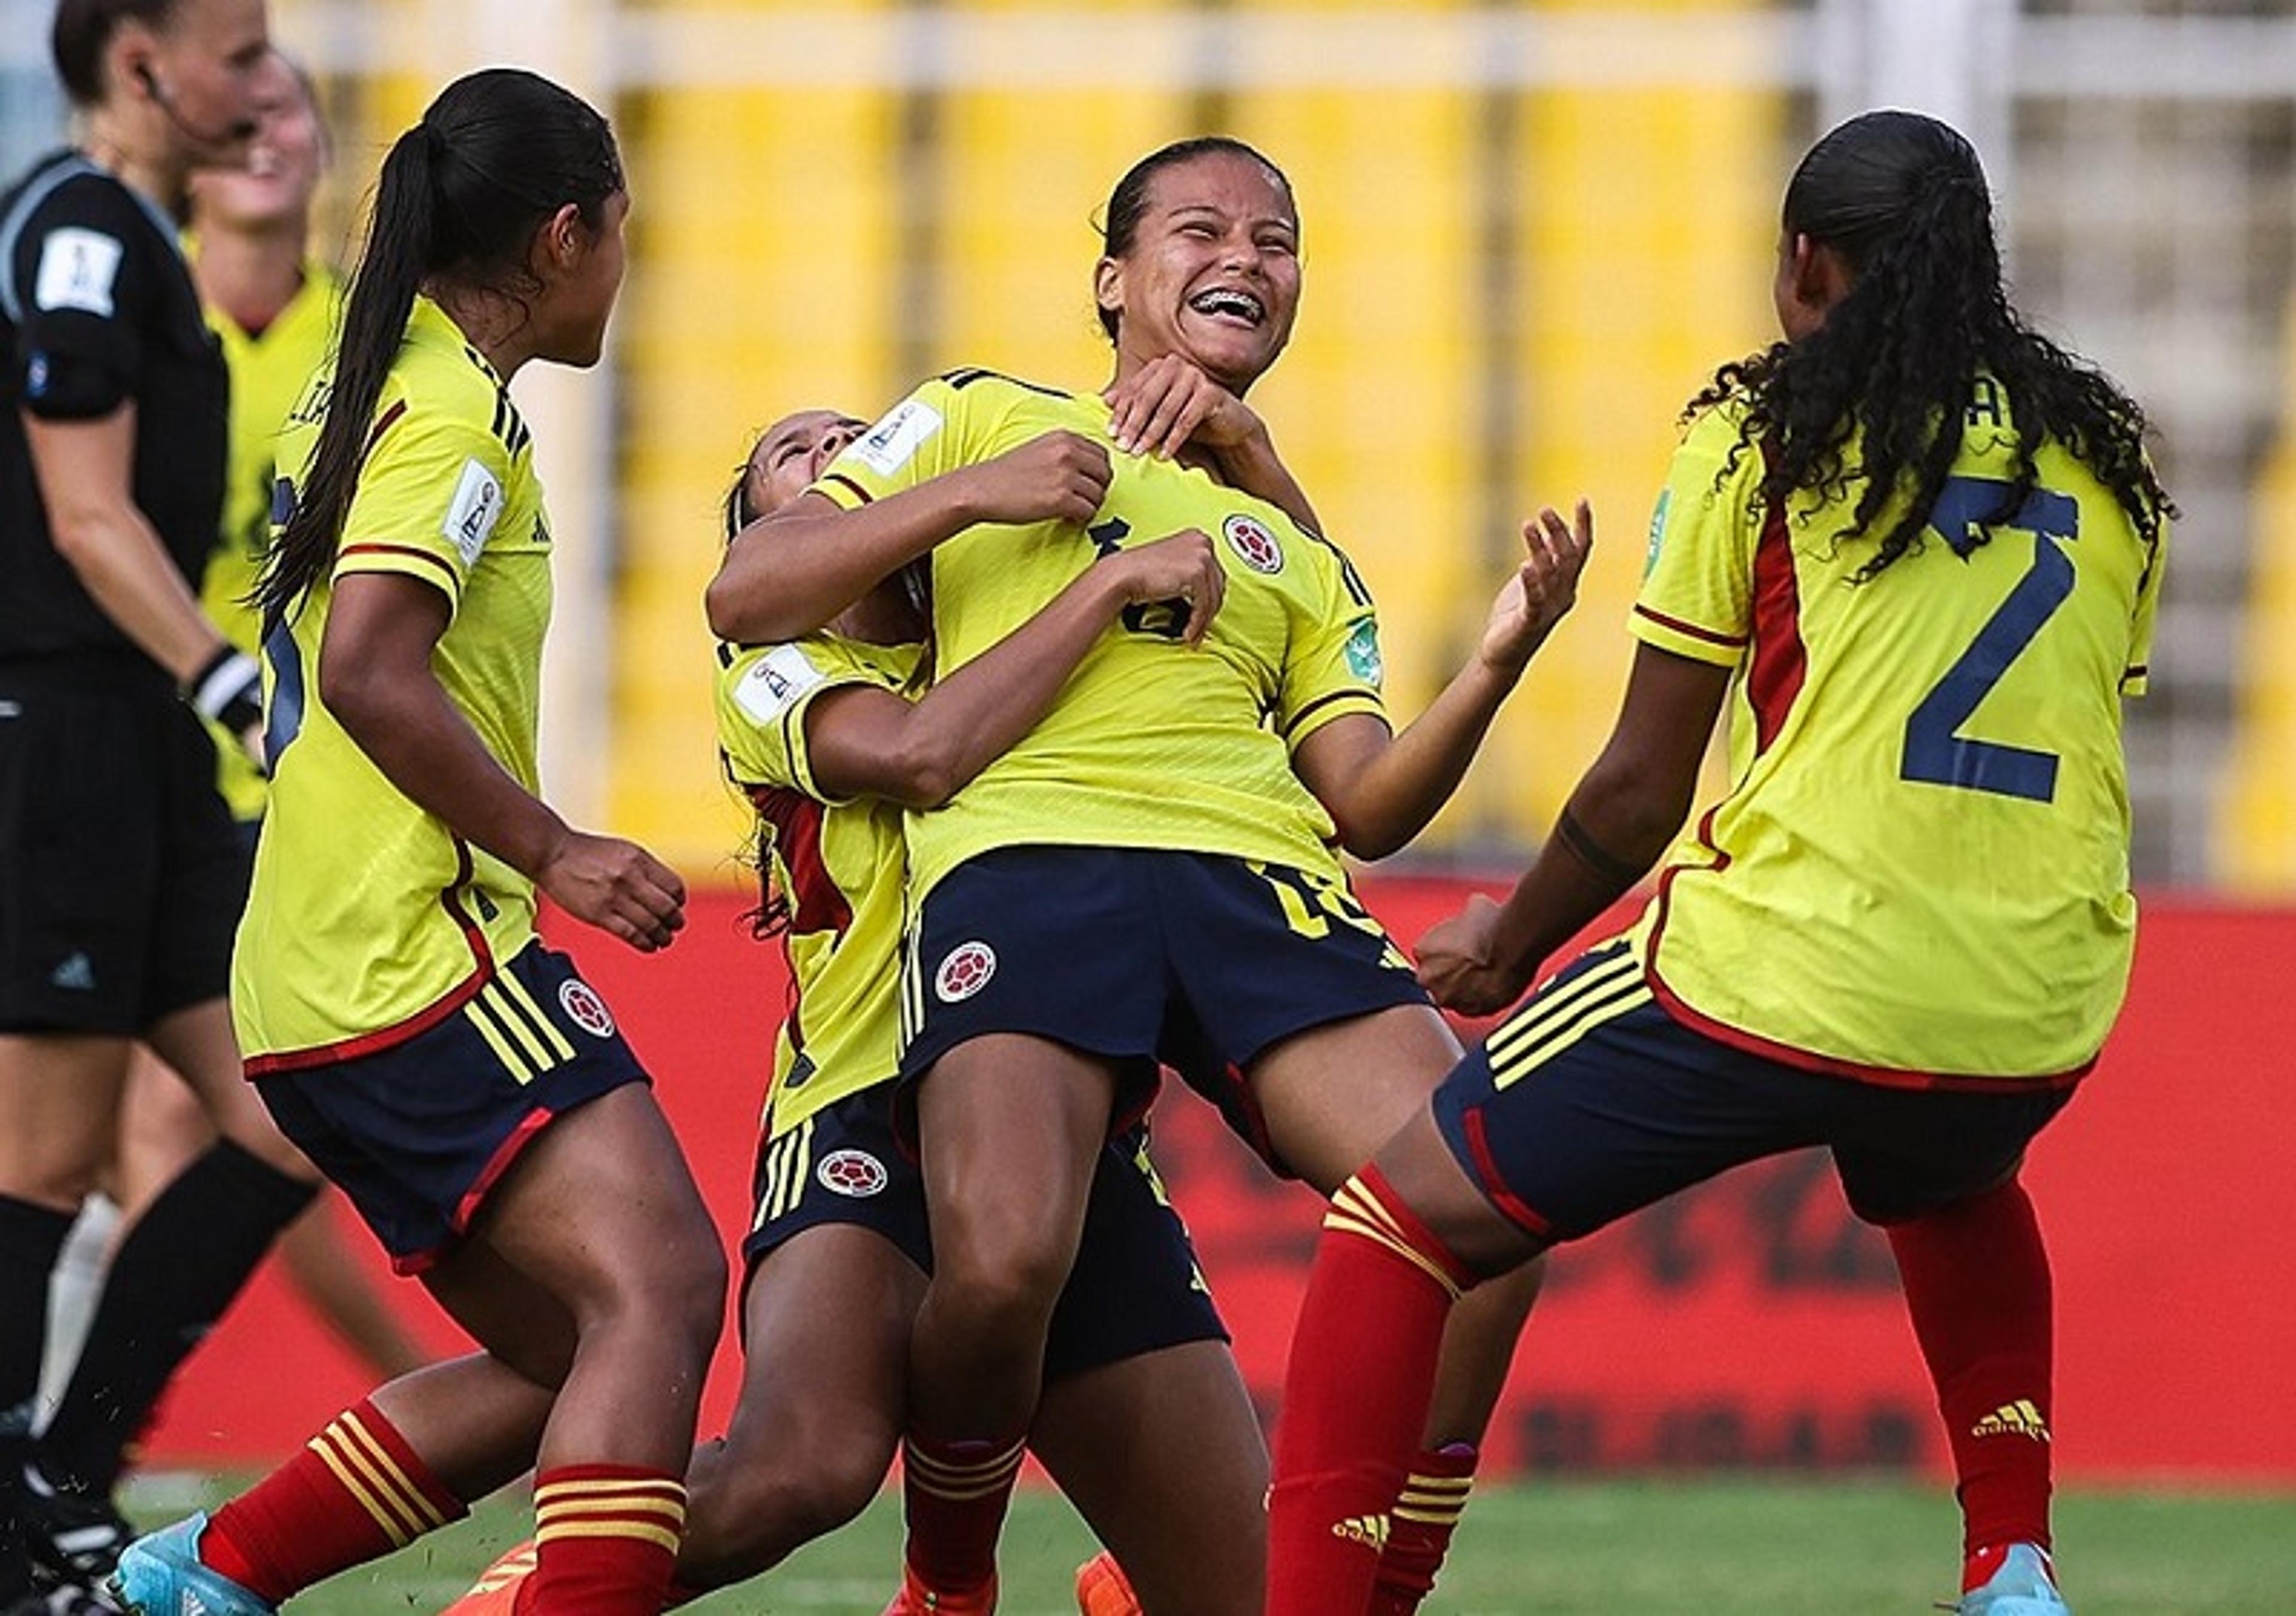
point(459, 198)
point(1903, 199)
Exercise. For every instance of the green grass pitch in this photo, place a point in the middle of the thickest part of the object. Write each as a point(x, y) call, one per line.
point(1711, 1546)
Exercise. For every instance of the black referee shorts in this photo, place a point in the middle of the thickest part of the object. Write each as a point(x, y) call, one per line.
point(121, 871)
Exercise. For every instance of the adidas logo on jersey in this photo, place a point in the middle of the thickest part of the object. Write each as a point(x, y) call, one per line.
point(1369, 1530)
point(2017, 1419)
point(77, 974)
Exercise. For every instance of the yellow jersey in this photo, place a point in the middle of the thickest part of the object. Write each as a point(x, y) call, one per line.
point(1920, 872)
point(1151, 744)
point(269, 370)
point(838, 862)
point(370, 920)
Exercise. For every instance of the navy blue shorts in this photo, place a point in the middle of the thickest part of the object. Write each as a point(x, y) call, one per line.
point(1590, 1102)
point(1136, 1287)
point(1195, 961)
point(121, 873)
point(417, 1133)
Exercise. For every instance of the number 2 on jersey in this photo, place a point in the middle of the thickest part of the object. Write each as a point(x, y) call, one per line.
point(1936, 753)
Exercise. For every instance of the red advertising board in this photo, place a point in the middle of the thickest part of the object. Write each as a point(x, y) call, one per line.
point(1751, 1322)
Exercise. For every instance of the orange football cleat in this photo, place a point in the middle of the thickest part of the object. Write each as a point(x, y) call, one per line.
point(495, 1592)
point(915, 1599)
point(1102, 1589)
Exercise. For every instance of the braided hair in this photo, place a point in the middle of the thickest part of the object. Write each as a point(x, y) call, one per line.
point(1903, 199)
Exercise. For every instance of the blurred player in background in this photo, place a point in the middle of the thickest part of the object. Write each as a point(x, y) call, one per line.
point(123, 873)
point(1916, 549)
point(465, 1087)
point(1149, 874)
point(274, 305)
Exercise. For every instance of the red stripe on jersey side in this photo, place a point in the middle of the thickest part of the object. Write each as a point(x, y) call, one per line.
point(368, 1043)
point(1691, 629)
point(472, 933)
point(1513, 1207)
point(1882, 1076)
point(816, 903)
point(1774, 674)
point(1788, 1055)
point(421, 1020)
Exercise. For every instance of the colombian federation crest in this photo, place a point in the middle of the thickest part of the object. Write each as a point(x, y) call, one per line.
point(1254, 545)
point(854, 1173)
point(584, 1008)
point(965, 971)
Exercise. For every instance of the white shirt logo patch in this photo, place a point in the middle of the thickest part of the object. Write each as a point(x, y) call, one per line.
point(774, 682)
point(886, 448)
point(478, 507)
point(77, 269)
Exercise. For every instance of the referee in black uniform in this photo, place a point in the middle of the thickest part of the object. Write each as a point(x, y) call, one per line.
point(121, 874)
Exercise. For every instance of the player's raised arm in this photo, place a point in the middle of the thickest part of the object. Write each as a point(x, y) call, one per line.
point(1381, 789)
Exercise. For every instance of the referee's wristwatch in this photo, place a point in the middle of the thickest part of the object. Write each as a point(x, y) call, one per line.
point(228, 688)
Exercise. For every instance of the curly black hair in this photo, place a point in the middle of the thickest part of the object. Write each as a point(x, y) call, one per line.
point(1903, 199)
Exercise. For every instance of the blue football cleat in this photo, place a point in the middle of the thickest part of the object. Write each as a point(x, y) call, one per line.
point(161, 1575)
point(2021, 1587)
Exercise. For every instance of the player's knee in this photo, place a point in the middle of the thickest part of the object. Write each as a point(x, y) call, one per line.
point(1013, 1287)
point(677, 1291)
point(693, 1294)
point(762, 1503)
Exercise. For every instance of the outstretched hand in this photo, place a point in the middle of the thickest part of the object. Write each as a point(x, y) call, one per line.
point(1543, 588)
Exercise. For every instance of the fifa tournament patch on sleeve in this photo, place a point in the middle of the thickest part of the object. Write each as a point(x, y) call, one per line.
point(1657, 531)
point(1363, 653)
point(887, 447)
point(478, 505)
point(774, 682)
point(77, 268)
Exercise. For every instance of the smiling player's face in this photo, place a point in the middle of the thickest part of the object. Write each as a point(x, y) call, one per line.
point(1213, 272)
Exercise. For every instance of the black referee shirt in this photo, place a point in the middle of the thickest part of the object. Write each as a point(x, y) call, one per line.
point(97, 309)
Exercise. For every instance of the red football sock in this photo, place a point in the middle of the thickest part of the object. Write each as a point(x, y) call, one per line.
point(1426, 1514)
point(607, 1536)
point(356, 1491)
point(1356, 1397)
point(955, 1495)
point(1977, 1282)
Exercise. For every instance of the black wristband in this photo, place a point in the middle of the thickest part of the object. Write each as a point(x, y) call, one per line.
point(228, 688)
